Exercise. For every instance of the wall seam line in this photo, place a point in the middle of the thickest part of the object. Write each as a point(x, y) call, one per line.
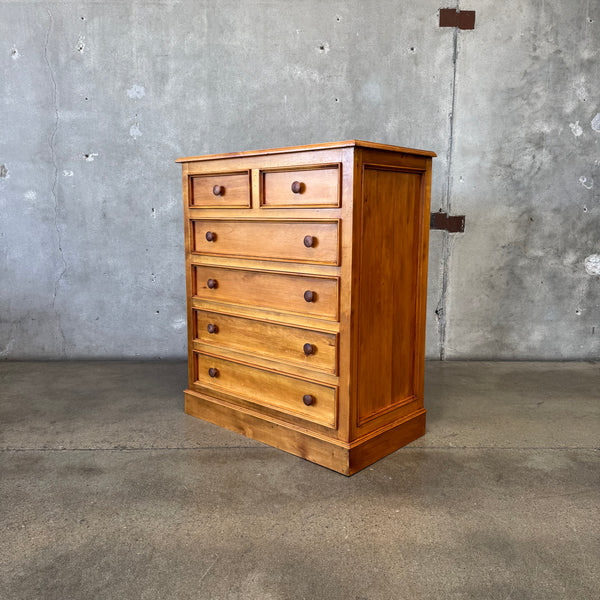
point(55, 182)
point(447, 205)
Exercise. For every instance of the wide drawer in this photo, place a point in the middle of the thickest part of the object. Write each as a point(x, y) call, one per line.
point(225, 190)
point(311, 241)
point(303, 294)
point(310, 187)
point(309, 348)
point(298, 397)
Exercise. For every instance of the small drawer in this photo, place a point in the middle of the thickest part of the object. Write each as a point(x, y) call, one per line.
point(301, 187)
point(226, 190)
point(301, 398)
point(305, 347)
point(287, 292)
point(310, 242)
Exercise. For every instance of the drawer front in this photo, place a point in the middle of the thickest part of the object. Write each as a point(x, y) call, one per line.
point(281, 392)
point(311, 242)
point(224, 190)
point(301, 187)
point(264, 289)
point(312, 349)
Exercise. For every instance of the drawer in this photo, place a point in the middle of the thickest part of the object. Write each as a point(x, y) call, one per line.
point(302, 294)
point(226, 190)
point(307, 399)
point(311, 241)
point(311, 349)
point(310, 187)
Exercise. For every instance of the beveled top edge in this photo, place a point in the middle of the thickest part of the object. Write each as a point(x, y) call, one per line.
point(325, 146)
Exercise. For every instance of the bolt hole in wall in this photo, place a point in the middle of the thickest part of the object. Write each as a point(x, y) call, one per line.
point(592, 264)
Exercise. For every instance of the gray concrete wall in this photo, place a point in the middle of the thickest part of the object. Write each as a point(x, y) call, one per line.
point(99, 98)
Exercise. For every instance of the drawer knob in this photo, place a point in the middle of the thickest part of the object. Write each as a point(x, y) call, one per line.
point(309, 241)
point(212, 284)
point(297, 187)
point(310, 296)
point(308, 399)
point(212, 328)
point(308, 349)
point(212, 372)
point(210, 236)
point(218, 190)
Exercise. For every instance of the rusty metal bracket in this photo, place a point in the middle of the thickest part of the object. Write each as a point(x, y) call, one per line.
point(451, 17)
point(441, 220)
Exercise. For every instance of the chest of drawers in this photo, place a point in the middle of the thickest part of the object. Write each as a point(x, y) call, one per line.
point(306, 291)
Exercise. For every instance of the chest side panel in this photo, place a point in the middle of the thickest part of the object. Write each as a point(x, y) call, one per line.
point(390, 243)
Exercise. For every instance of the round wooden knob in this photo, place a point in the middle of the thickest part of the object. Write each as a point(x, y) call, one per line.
point(308, 349)
point(308, 399)
point(310, 296)
point(218, 190)
point(296, 187)
point(309, 241)
point(212, 372)
point(212, 284)
point(210, 236)
point(212, 328)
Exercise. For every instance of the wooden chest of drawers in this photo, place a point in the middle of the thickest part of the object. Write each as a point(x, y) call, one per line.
point(306, 286)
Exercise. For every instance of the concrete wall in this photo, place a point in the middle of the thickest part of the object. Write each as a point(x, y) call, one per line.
point(98, 99)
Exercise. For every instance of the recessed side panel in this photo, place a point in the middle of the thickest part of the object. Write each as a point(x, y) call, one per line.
point(390, 246)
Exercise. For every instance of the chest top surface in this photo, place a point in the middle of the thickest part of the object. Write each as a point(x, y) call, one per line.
point(325, 146)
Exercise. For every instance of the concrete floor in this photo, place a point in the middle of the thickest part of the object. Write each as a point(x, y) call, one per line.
point(109, 491)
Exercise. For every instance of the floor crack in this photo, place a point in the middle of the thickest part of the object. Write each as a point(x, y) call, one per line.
point(55, 181)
